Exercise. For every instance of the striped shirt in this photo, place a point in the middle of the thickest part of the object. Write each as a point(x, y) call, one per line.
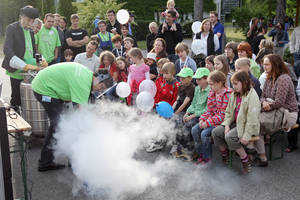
point(216, 106)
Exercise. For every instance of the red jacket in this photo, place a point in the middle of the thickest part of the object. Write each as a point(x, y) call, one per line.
point(166, 91)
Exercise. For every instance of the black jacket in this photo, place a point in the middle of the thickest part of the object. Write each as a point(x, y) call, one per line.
point(14, 44)
point(172, 38)
point(150, 38)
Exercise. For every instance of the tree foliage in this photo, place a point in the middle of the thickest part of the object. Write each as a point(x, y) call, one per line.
point(66, 9)
point(144, 10)
point(89, 9)
point(243, 16)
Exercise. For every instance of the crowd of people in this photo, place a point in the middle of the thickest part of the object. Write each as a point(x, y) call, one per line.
point(229, 99)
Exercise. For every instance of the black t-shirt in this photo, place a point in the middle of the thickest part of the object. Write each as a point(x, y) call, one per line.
point(76, 34)
point(117, 26)
point(185, 91)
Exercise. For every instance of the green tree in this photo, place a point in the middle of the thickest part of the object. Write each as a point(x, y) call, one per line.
point(66, 9)
point(243, 16)
point(89, 9)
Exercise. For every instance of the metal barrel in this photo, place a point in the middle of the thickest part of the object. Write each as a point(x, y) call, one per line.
point(33, 111)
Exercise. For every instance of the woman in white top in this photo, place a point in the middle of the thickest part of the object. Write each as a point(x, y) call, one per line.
point(209, 41)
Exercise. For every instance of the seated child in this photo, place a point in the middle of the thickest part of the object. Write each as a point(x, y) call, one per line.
point(221, 64)
point(68, 54)
point(185, 91)
point(182, 50)
point(216, 105)
point(209, 63)
point(119, 50)
point(241, 120)
point(243, 64)
point(128, 44)
point(194, 111)
point(199, 103)
point(122, 69)
point(160, 79)
point(108, 64)
point(168, 89)
point(151, 61)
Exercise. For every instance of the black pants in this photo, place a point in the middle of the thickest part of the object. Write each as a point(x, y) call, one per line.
point(293, 138)
point(15, 100)
point(53, 110)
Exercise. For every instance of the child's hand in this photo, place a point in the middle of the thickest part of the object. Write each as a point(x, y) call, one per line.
point(243, 141)
point(227, 129)
point(202, 124)
point(173, 28)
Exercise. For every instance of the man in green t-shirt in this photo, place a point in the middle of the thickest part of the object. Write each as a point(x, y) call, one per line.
point(63, 82)
point(47, 40)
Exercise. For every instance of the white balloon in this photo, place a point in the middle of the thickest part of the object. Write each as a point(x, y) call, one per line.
point(145, 101)
point(123, 16)
point(196, 26)
point(196, 46)
point(148, 86)
point(123, 89)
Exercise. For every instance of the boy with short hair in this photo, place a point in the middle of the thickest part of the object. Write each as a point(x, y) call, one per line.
point(199, 102)
point(243, 64)
point(68, 54)
point(185, 145)
point(186, 90)
point(128, 44)
point(182, 50)
point(160, 79)
point(151, 61)
point(119, 50)
point(168, 89)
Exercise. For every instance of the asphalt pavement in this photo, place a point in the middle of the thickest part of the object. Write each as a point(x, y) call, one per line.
point(280, 180)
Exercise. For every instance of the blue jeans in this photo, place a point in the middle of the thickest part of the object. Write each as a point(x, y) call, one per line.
point(202, 140)
point(296, 56)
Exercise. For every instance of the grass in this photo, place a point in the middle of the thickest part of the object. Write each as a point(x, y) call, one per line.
point(142, 44)
point(233, 35)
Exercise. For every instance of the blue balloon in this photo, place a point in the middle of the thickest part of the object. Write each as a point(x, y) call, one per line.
point(164, 109)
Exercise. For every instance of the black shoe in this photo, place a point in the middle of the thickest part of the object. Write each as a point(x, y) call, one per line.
point(53, 166)
point(263, 163)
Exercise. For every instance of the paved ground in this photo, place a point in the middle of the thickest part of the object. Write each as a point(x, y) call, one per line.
point(280, 180)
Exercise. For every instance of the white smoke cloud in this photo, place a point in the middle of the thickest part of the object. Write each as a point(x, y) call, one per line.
point(105, 144)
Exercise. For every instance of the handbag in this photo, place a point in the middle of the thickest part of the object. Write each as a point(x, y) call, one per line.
point(271, 121)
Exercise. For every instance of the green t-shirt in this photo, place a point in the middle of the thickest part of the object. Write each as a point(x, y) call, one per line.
point(67, 81)
point(47, 40)
point(28, 56)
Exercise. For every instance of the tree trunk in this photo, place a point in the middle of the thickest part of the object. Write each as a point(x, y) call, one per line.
point(280, 11)
point(198, 10)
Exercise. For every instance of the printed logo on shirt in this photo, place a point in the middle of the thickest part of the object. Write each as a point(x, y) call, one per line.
point(51, 32)
point(78, 33)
